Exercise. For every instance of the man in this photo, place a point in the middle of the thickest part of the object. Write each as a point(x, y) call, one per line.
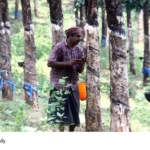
point(67, 60)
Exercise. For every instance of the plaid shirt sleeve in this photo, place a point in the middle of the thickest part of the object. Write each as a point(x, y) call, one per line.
point(55, 54)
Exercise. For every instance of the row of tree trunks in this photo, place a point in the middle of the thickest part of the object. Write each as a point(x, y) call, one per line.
point(17, 9)
point(119, 95)
point(30, 81)
point(80, 16)
point(6, 83)
point(146, 62)
point(56, 17)
point(130, 40)
point(93, 112)
point(80, 19)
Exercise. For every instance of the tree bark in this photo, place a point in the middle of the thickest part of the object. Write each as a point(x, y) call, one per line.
point(104, 26)
point(146, 62)
point(140, 26)
point(93, 112)
point(130, 39)
point(56, 17)
point(7, 85)
point(30, 81)
point(119, 95)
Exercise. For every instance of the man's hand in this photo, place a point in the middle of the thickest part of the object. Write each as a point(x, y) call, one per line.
point(81, 65)
point(83, 60)
point(74, 62)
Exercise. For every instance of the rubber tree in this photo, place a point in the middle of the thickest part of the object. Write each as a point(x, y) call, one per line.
point(130, 39)
point(119, 95)
point(93, 112)
point(56, 17)
point(146, 62)
point(6, 84)
point(30, 81)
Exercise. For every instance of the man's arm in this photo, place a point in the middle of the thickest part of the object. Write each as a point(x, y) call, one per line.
point(57, 64)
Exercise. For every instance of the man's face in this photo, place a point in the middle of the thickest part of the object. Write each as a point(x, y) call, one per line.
point(77, 37)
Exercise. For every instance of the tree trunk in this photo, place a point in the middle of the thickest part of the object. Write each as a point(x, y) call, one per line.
point(6, 84)
point(56, 17)
point(16, 9)
point(119, 95)
point(93, 112)
point(104, 26)
point(130, 39)
point(146, 62)
point(140, 26)
point(30, 82)
point(36, 8)
point(149, 33)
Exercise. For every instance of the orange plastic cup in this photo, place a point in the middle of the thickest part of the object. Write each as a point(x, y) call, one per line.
point(82, 90)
